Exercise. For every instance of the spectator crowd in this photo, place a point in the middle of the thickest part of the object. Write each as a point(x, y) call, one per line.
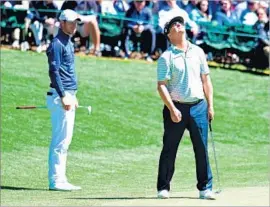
point(142, 28)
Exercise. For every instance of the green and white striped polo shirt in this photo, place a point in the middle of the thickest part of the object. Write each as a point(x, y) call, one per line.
point(183, 72)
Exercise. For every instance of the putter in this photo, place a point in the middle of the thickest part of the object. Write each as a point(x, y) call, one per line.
point(214, 150)
point(89, 108)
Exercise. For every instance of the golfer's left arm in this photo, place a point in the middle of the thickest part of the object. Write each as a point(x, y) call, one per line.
point(208, 92)
point(207, 84)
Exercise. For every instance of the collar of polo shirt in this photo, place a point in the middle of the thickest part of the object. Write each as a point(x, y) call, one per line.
point(177, 50)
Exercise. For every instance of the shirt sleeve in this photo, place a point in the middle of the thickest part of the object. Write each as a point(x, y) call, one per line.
point(54, 54)
point(163, 69)
point(129, 22)
point(148, 23)
point(204, 65)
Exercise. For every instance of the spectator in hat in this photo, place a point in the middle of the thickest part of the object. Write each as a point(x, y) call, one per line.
point(249, 16)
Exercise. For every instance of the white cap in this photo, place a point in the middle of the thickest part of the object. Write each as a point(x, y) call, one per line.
point(264, 4)
point(69, 15)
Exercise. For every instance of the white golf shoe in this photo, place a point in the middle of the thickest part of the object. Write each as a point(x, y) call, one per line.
point(207, 194)
point(163, 194)
point(64, 186)
point(39, 49)
point(25, 46)
point(15, 44)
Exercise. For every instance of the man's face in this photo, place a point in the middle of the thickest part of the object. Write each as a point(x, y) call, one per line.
point(139, 5)
point(69, 27)
point(176, 29)
point(225, 5)
point(262, 16)
point(252, 5)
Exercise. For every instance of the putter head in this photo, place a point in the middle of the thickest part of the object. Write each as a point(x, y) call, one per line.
point(89, 108)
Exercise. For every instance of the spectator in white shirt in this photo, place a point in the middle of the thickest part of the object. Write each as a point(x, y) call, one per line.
point(168, 12)
point(248, 16)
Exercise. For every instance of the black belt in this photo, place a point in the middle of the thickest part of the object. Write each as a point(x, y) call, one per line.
point(49, 93)
point(188, 103)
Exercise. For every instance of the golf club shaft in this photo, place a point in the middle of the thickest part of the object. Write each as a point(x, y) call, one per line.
point(215, 156)
point(40, 107)
point(31, 107)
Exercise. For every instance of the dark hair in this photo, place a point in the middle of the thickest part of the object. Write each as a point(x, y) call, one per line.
point(199, 6)
point(251, 2)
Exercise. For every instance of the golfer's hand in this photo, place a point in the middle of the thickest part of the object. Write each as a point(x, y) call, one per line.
point(176, 115)
point(211, 113)
point(66, 102)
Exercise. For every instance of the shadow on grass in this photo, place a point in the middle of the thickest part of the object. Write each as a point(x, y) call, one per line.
point(130, 198)
point(19, 188)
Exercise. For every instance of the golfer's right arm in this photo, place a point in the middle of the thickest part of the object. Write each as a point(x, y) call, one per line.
point(167, 100)
point(54, 53)
point(163, 71)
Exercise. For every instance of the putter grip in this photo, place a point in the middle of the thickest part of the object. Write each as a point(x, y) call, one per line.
point(26, 107)
point(210, 126)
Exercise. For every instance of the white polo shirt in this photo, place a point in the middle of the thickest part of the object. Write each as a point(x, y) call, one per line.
point(183, 72)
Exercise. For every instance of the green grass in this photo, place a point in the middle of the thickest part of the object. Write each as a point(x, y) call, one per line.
point(115, 151)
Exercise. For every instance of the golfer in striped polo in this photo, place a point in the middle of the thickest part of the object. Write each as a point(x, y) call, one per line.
point(185, 88)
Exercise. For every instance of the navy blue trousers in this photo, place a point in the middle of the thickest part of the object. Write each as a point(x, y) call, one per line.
point(194, 119)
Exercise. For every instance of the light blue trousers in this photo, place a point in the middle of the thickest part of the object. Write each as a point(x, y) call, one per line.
point(62, 131)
